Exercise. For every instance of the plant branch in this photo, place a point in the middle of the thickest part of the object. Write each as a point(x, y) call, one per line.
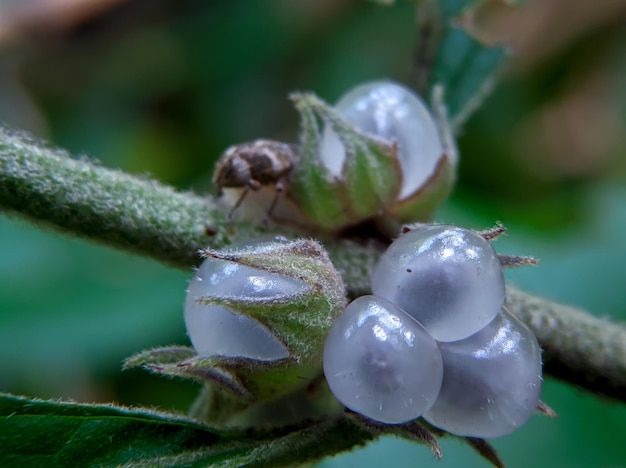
point(147, 217)
point(577, 347)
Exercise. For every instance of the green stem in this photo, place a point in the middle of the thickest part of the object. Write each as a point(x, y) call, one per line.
point(109, 206)
point(577, 347)
point(147, 217)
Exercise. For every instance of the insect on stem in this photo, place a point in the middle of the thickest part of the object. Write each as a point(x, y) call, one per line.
point(254, 165)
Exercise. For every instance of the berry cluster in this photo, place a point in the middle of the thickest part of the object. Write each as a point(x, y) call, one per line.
point(433, 340)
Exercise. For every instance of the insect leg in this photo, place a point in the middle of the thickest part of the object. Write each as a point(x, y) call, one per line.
point(246, 189)
point(279, 189)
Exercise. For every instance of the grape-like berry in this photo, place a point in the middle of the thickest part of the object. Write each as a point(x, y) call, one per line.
point(395, 113)
point(491, 381)
point(448, 278)
point(219, 330)
point(380, 362)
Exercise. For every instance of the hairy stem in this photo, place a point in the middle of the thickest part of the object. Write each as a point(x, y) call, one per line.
point(577, 347)
point(147, 217)
point(109, 206)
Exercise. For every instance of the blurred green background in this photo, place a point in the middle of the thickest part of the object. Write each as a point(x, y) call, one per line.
point(162, 87)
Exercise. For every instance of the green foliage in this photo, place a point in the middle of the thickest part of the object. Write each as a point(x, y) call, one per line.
point(49, 433)
point(452, 57)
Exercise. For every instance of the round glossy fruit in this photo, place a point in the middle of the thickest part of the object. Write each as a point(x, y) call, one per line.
point(219, 330)
point(381, 363)
point(448, 278)
point(491, 381)
point(395, 113)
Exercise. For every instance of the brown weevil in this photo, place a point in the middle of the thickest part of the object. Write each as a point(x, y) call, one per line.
point(253, 165)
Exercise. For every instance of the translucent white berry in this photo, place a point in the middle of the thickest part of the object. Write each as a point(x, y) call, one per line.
point(380, 362)
point(219, 330)
point(395, 113)
point(492, 381)
point(448, 278)
point(272, 301)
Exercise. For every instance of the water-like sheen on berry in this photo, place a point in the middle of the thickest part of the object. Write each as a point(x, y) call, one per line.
point(381, 363)
point(492, 381)
point(448, 278)
point(395, 113)
point(219, 330)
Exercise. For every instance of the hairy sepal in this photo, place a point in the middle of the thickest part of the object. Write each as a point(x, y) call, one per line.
point(237, 375)
point(370, 178)
point(300, 320)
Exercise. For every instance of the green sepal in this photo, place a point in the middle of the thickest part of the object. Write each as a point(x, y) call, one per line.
point(304, 259)
point(420, 431)
point(315, 191)
point(371, 172)
point(159, 356)
point(412, 430)
point(183, 362)
point(300, 319)
point(421, 204)
point(237, 375)
point(370, 178)
point(291, 321)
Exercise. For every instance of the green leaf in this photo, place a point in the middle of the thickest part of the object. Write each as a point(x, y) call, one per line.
point(159, 356)
point(49, 433)
point(453, 53)
point(331, 436)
